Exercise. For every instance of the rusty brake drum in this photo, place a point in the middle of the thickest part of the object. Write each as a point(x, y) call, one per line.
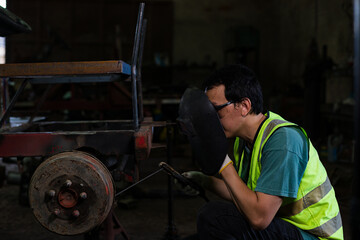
point(71, 192)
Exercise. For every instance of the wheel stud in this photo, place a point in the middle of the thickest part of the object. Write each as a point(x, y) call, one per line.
point(68, 183)
point(51, 193)
point(57, 211)
point(83, 195)
point(76, 213)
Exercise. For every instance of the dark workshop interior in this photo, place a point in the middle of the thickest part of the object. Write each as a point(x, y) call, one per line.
point(303, 52)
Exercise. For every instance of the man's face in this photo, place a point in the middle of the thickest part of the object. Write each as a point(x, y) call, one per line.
point(228, 113)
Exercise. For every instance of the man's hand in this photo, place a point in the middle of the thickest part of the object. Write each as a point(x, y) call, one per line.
point(210, 183)
point(194, 176)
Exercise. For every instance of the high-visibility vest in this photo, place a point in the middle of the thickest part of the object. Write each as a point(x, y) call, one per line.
point(315, 209)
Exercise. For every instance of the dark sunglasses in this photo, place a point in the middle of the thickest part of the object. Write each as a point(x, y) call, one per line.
point(219, 107)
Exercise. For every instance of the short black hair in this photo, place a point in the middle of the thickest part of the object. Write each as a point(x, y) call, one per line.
point(240, 82)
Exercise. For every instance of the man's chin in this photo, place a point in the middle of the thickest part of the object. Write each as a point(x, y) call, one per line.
point(227, 134)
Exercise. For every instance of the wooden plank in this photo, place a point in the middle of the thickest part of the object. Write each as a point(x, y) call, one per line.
point(21, 70)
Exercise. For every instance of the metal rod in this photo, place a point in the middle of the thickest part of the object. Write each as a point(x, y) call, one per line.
point(316, 18)
point(140, 181)
point(12, 103)
point(356, 191)
point(4, 94)
point(171, 231)
point(134, 65)
point(142, 42)
point(170, 193)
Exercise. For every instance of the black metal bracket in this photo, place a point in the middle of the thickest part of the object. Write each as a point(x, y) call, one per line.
point(136, 63)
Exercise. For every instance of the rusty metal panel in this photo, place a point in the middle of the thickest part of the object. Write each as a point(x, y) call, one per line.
point(143, 139)
point(49, 143)
point(21, 70)
point(114, 137)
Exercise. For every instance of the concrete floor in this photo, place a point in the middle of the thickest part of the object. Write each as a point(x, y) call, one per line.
point(147, 219)
point(143, 211)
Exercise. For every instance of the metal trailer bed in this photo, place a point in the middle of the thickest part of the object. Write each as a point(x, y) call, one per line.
point(72, 191)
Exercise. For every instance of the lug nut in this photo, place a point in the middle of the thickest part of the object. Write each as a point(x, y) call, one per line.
point(83, 195)
point(57, 211)
point(68, 183)
point(51, 193)
point(76, 213)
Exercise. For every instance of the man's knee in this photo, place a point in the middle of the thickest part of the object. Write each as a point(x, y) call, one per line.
point(206, 214)
point(218, 220)
point(211, 212)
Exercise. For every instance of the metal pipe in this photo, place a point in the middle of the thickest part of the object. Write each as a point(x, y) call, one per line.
point(12, 103)
point(134, 65)
point(171, 231)
point(4, 94)
point(356, 190)
point(142, 42)
point(140, 181)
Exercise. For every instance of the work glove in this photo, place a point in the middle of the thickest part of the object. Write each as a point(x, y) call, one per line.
point(227, 162)
point(194, 176)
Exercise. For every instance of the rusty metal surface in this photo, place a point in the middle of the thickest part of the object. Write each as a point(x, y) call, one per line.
point(49, 143)
point(71, 193)
point(143, 140)
point(106, 137)
point(21, 70)
point(76, 126)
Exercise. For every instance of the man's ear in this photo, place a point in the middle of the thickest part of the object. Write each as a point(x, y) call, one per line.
point(245, 106)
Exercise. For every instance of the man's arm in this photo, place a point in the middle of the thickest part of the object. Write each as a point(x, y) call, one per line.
point(259, 208)
point(218, 187)
point(210, 183)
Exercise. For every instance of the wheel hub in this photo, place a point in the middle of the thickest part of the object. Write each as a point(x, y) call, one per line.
point(71, 193)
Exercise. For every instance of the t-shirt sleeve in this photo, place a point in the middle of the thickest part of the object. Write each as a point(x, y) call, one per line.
point(283, 163)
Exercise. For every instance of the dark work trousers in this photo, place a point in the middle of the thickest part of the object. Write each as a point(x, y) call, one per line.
point(222, 220)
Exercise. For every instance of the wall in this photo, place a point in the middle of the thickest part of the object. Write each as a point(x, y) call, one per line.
point(286, 29)
point(86, 30)
point(189, 33)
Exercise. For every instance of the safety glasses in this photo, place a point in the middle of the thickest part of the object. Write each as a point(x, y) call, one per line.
point(219, 107)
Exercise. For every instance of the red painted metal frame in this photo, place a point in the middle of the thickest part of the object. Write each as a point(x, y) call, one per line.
point(113, 140)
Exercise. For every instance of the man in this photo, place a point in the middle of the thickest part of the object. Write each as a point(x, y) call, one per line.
point(275, 185)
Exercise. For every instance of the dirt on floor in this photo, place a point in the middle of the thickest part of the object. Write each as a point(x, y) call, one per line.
point(143, 211)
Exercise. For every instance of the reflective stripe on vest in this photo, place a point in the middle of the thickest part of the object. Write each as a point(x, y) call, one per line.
point(309, 199)
point(315, 190)
point(327, 229)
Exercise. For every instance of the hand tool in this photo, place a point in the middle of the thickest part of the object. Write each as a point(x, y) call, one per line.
point(183, 180)
point(172, 172)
